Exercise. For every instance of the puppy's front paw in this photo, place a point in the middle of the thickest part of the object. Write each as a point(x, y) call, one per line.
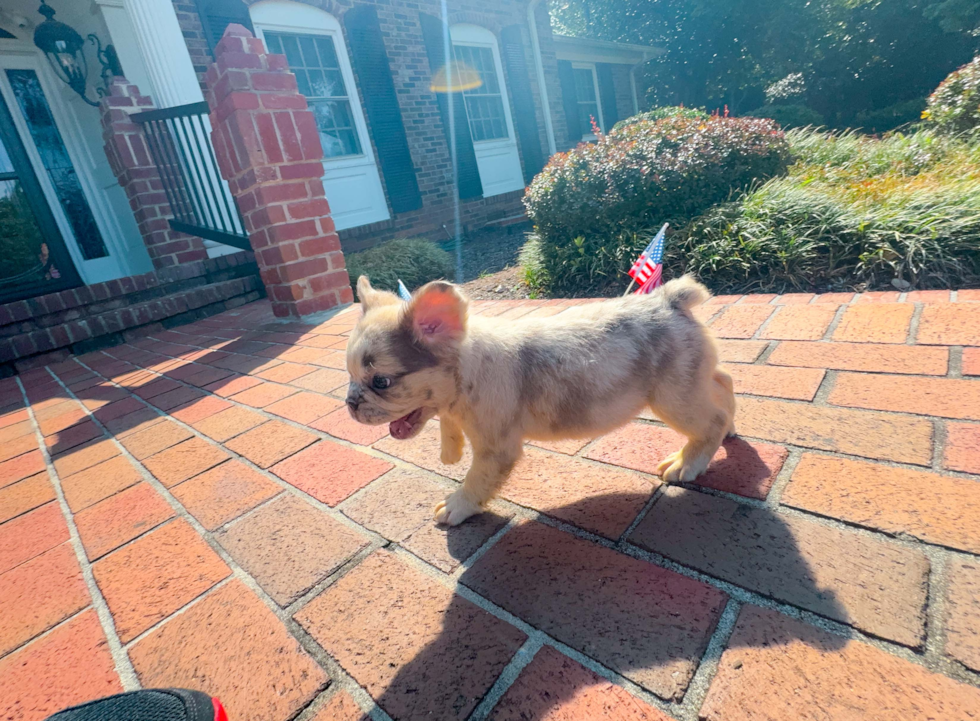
point(456, 509)
point(676, 468)
point(451, 454)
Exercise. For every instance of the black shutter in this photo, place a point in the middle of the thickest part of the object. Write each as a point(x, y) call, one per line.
point(607, 95)
point(512, 47)
point(570, 100)
point(216, 15)
point(381, 104)
point(467, 172)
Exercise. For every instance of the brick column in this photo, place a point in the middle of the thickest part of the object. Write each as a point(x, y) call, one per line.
point(268, 149)
point(130, 161)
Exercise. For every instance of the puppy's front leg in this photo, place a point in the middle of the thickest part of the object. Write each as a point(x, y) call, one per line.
point(490, 469)
point(452, 441)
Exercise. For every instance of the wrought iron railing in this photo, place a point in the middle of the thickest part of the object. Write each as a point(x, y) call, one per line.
point(179, 139)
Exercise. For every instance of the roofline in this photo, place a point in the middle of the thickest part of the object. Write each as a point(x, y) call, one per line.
point(648, 51)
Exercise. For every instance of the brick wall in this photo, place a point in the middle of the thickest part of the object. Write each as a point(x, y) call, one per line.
point(423, 124)
point(624, 92)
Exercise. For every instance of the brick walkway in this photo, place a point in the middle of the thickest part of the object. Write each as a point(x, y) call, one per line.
point(197, 509)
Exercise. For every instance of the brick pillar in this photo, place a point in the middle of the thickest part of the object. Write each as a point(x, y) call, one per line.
point(268, 149)
point(133, 167)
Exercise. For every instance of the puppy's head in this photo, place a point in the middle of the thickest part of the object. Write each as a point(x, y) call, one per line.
point(402, 356)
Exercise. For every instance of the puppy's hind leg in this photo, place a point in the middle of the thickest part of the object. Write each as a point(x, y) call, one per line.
point(491, 466)
point(723, 394)
point(705, 423)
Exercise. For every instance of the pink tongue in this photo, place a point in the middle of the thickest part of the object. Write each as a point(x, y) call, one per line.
point(400, 428)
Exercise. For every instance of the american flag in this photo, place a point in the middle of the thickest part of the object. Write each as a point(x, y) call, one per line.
point(647, 270)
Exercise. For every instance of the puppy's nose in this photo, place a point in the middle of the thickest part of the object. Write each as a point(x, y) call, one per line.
point(354, 397)
point(353, 403)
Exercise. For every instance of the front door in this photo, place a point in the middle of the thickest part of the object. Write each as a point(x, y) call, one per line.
point(33, 257)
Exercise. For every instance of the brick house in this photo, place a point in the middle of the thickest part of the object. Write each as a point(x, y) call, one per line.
point(82, 237)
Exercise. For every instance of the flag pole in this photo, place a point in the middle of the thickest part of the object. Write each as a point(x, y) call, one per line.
point(628, 289)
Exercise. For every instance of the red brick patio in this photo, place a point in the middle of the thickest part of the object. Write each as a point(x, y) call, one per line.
point(197, 509)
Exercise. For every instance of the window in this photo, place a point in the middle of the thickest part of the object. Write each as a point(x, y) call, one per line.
point(313, 59)
point(484, 105)
point(588, 99)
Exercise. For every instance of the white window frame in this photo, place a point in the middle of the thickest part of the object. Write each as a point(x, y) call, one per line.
point(297, 18)
point(588, 134)
point(476, 36)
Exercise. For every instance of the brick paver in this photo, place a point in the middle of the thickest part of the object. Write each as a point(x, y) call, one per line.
point(875, 358)
point(289, 546)
point(938, 509)
point(38, 594)
point(155, 575)
point(877, 587)
point(642, 621)
point(315, 567)
point(778, 668)
point(70, 665)
point(419, 649)
point(249, 661)
point(963, 613)
point(553, 687)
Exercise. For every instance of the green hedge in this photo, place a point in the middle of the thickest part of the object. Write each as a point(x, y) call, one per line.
point(595, 207)
point(666, 111)
point(789, 115)
point(955, 105)
point(415, 261)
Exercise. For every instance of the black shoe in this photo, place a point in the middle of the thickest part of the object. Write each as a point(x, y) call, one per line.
point(155, 704)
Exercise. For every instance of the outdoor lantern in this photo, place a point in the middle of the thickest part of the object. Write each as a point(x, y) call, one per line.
point(63, 47)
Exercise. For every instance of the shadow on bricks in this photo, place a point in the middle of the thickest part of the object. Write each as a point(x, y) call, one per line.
point(643, 621)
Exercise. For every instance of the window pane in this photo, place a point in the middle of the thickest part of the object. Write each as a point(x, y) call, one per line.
point(24, 256)
point(55, 159)
point(584, 84)
point(314, 61)
point(273, 43)
point(484, 105)
point(337, 134)
point(328, 56)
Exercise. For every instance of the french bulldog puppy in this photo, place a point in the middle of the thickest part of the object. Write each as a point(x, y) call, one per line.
point(578, 374)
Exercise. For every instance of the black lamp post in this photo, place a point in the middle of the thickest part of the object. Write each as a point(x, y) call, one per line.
point(63, 48)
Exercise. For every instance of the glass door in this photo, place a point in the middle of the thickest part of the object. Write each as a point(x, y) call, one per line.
point(33, 257)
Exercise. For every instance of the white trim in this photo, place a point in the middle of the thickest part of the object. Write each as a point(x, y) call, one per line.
point(298, 18)
point(598, 98)
point(532, 24)
point(498, 157)
point(602, 51)
point(165, 56)
point(119, 262)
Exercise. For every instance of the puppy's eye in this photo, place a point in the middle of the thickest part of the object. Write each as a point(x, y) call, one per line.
point(379, 383)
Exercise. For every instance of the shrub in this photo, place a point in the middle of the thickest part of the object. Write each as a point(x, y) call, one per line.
point(791, 115)
point(666, 111)
point(891, 117)
point(594, 207)
point(415, 261)
point(955, 105)
point(854, 212)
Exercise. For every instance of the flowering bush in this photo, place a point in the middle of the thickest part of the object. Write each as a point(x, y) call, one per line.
point(955, 105)
point(666, 111)
point(595, 207)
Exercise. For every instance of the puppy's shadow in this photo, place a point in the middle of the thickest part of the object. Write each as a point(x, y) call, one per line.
point(645, 622)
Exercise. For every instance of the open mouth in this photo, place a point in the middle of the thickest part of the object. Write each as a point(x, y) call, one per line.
point(406, 426)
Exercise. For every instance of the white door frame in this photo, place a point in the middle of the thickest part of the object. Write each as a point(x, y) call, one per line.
point(117, 263)
point(297, 18)
point(497, 157)
point(588, 134)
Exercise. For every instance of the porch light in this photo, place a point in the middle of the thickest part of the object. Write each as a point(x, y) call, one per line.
point(63, 48)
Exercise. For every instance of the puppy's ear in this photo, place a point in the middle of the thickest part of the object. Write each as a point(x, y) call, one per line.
point(437, 313)
point(371, 298)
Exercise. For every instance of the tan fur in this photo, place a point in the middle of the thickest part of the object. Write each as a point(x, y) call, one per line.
point(581, 374)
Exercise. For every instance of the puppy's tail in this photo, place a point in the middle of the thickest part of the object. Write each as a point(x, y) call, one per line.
point(684, 293)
